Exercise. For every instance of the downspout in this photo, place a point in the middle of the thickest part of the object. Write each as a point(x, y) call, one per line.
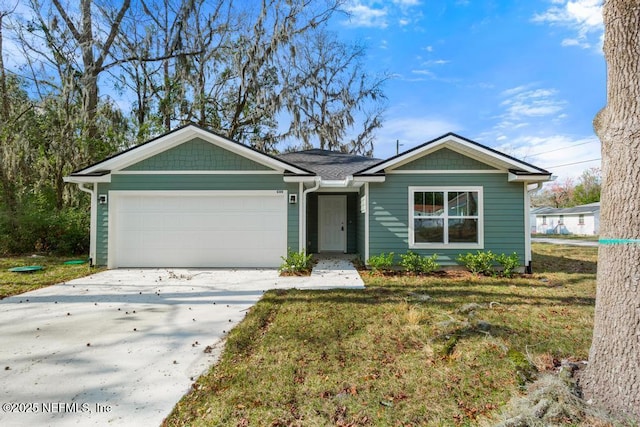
point(527, 222)
point(303, 238)
point(93, 221)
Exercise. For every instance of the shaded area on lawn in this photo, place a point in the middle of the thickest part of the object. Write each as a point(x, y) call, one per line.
point(405, 351)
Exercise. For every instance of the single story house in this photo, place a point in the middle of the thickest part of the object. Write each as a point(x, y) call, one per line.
point(581, 220)
point(192, 198)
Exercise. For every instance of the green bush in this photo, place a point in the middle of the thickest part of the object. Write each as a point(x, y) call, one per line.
point(478, 263)
point(38, 226)
point(418, 264)
point(509, 263)
point(296, 263)
point(381, 263)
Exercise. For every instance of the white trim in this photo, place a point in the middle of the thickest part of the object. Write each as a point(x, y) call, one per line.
point(93, 227)
point(304, 211)
point(180, 136)
point(445, 171)
point(338, 189)
point(366, 223)
point(528, 178)
point(480, 217)
point(195, 172)
point(177, 193)
point(367, 179)
point(301, 179)
point(87, 179)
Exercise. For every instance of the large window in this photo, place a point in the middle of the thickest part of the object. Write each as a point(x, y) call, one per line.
point(449, 217)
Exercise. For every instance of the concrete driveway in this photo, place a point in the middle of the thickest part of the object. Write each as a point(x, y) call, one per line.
point(121, 347)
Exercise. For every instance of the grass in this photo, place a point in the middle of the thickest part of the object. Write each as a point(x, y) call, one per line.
point(55, 271)
point(405, 351)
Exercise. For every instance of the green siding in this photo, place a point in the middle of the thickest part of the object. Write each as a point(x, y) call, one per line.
point(197, 155)
point(503, 213)
point(293, 224)
point(198, 182)
point(192, 182)
point(445, 159)
point(102, 229)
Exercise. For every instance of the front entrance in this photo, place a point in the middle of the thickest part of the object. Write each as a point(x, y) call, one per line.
point(332, 223)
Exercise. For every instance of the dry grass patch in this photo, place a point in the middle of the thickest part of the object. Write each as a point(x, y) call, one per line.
point(405, 351)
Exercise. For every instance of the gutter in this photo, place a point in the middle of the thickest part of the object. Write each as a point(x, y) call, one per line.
point(303, 219)
point(94, 219)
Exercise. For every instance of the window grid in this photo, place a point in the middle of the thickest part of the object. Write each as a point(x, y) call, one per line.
point(451, 209)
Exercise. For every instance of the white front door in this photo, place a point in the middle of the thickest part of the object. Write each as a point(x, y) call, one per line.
point(332, 223)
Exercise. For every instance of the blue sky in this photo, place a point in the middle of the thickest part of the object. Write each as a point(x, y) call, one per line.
point(523, 77)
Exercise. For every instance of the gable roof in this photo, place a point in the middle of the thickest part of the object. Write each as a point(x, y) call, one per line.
point(518, 169)
point(582, 209)
point(176, 137)
point(329, 165)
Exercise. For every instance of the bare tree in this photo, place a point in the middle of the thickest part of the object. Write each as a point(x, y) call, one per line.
point(94, 52)
point(331, 89)
point(10, 114)
point(613, 377)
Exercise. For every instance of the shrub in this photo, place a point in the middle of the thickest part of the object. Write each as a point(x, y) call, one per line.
point(509, 263)
point(381, 263)
point(418, 264)
point(478, 263)
point(296, 263)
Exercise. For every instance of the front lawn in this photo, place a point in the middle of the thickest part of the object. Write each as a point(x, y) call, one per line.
point(54, 271)
point(405, 351)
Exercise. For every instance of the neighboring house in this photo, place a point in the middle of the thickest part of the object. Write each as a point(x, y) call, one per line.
point(582, 220)
point(192, 198)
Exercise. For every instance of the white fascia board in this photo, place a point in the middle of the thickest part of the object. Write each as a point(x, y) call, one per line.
point(180, 136)
point(369, 178)
point(531, 178)
point(87, 179)
point(305, 179)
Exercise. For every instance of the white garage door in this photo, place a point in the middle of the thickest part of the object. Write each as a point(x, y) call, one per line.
point(197, 229)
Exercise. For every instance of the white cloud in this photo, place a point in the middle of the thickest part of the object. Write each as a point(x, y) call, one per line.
point(524, 102)
point(410, 132)
point(376, 14)
point(362, 15)
point(584, 17)
point(407, 2)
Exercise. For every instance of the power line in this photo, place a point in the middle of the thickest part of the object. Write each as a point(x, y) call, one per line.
point(574, 163)
point(562, 148)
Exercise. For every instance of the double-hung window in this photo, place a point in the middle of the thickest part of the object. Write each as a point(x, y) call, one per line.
point(446, 217)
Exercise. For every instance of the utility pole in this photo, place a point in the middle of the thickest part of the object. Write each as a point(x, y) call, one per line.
point(398, 145)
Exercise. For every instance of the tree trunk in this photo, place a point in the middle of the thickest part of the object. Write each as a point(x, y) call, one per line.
point(613, 377)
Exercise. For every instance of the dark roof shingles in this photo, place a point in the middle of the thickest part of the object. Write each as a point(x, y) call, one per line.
point(330, 165)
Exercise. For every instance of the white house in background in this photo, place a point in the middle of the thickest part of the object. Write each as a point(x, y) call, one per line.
point(583, 220)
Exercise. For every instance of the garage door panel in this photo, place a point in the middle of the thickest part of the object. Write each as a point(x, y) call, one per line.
point(197, 230)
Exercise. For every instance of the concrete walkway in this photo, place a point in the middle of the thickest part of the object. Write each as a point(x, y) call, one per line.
point(121, 347)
